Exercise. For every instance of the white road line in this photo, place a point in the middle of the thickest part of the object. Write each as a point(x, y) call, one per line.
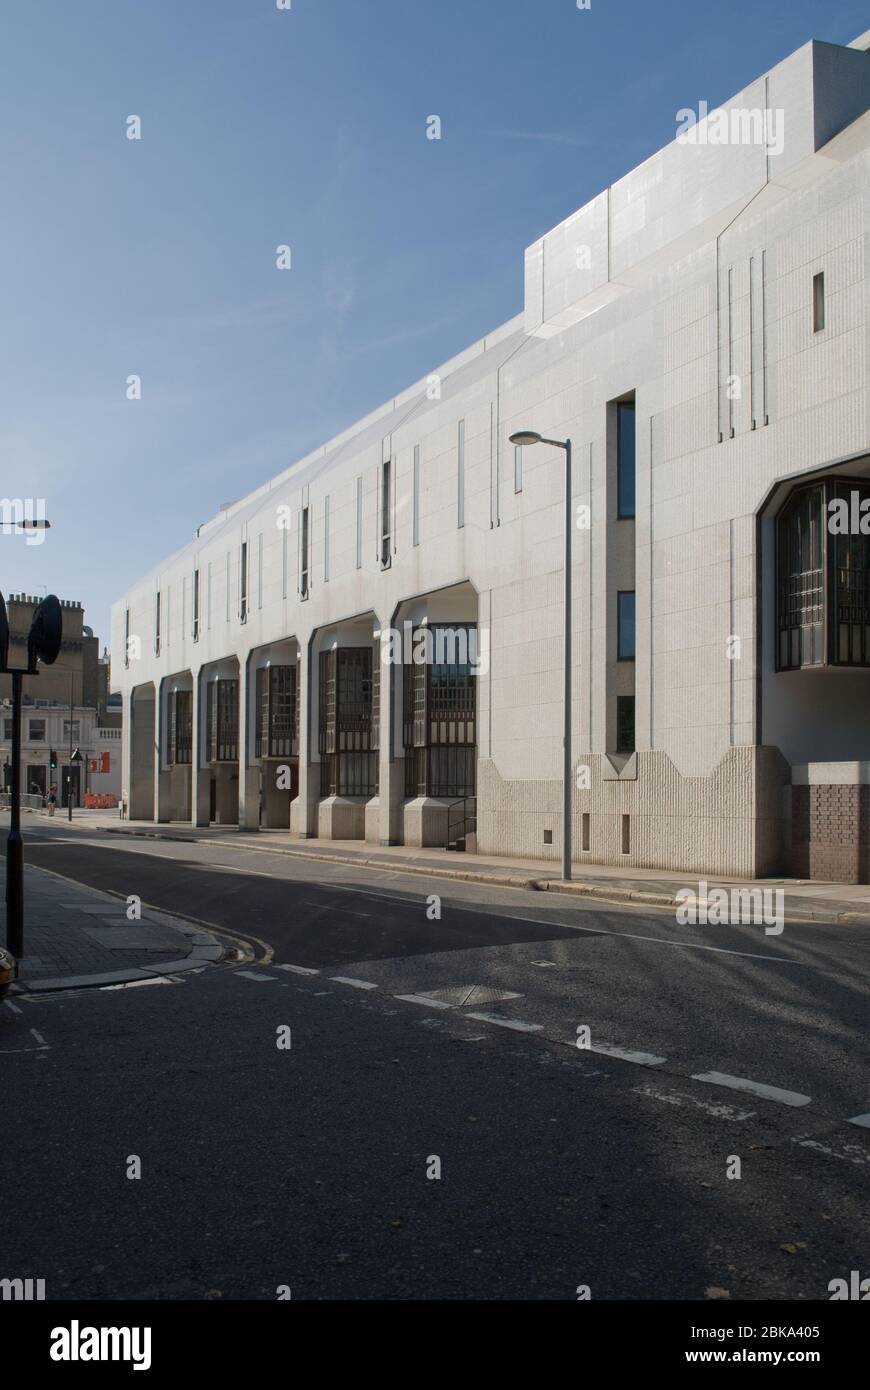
point(253, 975)
point(624, 1054)
point(481, 910)
point(515, 1023)
point(14, 1007)
point(39, 1038)
point(719, 1111)
point(852, 1153)
point(755, 1088)
point(420, 999)
point(862, 1120)
point(297, 969)
point(347, 980)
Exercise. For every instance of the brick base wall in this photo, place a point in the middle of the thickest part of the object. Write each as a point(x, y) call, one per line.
point(830, 833)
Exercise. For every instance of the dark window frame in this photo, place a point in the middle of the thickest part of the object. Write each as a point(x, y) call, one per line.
point(440, 722)
point(623, 624)
point(625, 720)
point(346, 743)
point(822, 581)
point(626, 467)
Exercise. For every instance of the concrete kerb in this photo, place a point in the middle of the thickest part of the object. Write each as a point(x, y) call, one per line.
point(204, 948)
point(603, 892)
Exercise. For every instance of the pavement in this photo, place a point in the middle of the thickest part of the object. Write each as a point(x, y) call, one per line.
point(806, 899)
point(76, 937)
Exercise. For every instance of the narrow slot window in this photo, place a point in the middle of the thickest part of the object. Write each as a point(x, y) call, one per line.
point(819, 302)
point(386, 532)
point(625, 622)
point(416, 498)
point(303, 570)
point(359, 513)
point(625, 459)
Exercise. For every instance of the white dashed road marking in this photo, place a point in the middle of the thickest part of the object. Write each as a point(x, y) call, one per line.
point(862, 1120)
point(719, 1112)
point(14, 1007)
point(515, 1023)
point(298, 969)
point(851, 1153)
point(755, 1088)
point(347, 980)
point(253, 975)
point(624, 1054)
point(39, 1038)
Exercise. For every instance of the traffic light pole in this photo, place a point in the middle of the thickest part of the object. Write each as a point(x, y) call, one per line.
point(14, 847)
point(69, 764)
point(43, 645)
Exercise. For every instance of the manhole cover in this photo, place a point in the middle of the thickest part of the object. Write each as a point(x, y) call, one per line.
point(469, 994)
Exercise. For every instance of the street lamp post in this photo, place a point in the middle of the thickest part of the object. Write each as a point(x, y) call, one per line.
point(69, 766)
point(532, 437)
point(43, 644)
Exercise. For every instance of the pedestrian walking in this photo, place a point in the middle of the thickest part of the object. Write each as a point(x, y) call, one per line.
point(52, 800)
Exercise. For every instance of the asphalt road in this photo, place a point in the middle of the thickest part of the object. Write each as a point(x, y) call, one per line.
point(307, 1167)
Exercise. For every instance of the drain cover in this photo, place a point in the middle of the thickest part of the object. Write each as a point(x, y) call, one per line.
point(469, 994)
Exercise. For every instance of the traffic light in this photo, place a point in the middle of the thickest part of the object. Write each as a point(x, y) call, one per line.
point(52, 760)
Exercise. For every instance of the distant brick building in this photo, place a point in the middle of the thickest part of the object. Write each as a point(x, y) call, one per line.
point(78, 679)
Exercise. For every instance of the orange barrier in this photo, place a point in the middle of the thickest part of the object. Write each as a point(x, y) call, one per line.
point(100, 801)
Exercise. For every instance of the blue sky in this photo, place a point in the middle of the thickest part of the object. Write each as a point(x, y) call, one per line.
point(304, 127)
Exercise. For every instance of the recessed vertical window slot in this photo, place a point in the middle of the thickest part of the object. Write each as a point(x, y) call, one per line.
point(819, 302)
point(626, 467)
point(585, 830)
point(303, 561)
point(626, 834)
point(359, 510)
point(416, 505)
point(243, 582)
point(386, 530)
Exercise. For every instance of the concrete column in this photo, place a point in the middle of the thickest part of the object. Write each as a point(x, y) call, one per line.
point(303, 812)
point(142, 759)
point(200, 799)
point(126, 748)
point(384, 812)
point(162, 772)
point(249, 770)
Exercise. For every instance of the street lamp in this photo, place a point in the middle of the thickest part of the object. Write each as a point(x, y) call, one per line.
point(43, 644)
point(532, 437)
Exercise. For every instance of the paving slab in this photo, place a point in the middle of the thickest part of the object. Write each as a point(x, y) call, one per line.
point(79, 938)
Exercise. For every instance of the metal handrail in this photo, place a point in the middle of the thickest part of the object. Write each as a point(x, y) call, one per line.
point(468, 822)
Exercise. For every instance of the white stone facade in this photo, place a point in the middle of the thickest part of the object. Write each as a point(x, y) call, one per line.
point(688, 288)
